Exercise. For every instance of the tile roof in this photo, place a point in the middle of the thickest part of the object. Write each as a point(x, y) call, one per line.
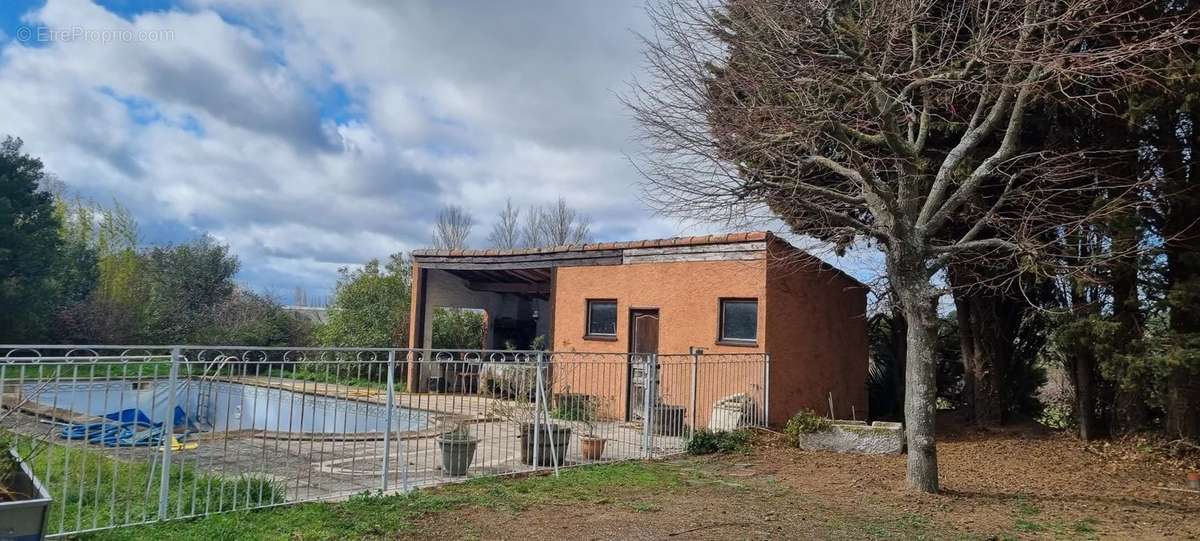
point(750, 236)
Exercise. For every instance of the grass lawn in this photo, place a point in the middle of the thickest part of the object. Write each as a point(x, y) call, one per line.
point(1018, 485)
point(376, 517)
point(91, 490)
point(656, 496)
point(378, 381)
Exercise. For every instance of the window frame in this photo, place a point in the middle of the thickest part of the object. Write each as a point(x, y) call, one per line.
point(587, 320)
point(721, 338)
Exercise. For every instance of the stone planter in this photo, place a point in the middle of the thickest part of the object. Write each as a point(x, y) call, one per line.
point(552, 440)
point(591, 447)
point(879, 438)
point(25, 519)
point(457, 455)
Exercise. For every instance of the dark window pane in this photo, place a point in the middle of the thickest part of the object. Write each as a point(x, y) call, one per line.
point(739, 320)
point(602, 317)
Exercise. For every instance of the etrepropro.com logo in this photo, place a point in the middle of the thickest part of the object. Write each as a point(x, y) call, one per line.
point(45, 34)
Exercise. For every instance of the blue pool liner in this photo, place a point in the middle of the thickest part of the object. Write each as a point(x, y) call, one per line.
point(120, 429)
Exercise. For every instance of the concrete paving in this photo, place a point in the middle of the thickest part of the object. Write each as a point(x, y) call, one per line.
point(325, 466)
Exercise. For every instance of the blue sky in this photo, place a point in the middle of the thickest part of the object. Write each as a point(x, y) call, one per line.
point(312, 135)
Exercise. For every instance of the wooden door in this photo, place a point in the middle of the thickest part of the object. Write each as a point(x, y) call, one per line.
point(643, 341)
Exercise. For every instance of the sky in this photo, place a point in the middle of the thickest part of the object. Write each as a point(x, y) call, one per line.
point(310, 135)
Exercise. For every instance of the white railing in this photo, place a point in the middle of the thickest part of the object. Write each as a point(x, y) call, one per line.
point(135, 434)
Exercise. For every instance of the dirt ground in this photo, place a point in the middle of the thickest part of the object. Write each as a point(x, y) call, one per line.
point(1015, 483)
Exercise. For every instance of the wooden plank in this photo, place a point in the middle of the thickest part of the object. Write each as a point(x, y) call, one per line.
point(720, 256)
point(524, 258)
point(511, 287)
point(472, 264)
point(697, 249)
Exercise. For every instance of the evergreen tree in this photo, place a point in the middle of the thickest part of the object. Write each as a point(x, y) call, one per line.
point(29, 246)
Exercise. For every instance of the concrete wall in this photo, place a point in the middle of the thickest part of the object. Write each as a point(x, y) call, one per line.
point(817, 337)
point(880, 438)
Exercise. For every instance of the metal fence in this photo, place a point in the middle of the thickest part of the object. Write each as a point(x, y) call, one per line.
point(136, 434)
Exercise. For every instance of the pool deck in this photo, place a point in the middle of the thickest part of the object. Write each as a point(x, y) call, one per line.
point(463, 405)
point(333, 466)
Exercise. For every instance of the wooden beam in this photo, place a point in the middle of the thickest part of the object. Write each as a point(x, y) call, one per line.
point(544, 259)
point(511, 287)
point(700, 249)
point(470, 263)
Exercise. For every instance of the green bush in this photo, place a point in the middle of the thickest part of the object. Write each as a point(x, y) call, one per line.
point(805, 422)
point(706, 442)
point(574, 407)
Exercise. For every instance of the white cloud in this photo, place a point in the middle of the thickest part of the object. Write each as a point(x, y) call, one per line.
point(311, 134)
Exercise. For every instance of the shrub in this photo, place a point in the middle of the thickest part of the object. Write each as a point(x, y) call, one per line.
point(574, 407)
point(805, 422)
point(706, 442)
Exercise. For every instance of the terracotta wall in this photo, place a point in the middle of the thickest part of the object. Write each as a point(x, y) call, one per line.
point(817, 337)
point(686, 295)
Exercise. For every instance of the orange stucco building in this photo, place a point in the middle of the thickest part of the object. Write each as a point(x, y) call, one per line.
point(714, 296)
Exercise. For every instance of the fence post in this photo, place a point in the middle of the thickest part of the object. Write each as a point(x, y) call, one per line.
point(401, 446)
point(387, 432)
point(168, 436)
point(552, 434)
point(537, 413)
point(766, 390)
point(651, 361)
point(696, 352)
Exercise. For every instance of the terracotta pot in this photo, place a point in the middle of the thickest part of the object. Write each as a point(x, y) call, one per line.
point(591, 448)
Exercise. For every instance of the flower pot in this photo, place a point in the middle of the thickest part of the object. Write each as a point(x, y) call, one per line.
point(1193, 480)
point(552, 441)
point(457, 455)
point(591, 447)
point(25, 518)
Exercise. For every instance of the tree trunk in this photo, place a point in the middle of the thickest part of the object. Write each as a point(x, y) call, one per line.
point(987, 330)
point(1183, 269)
point(1083, 375)
point(920, 397)
point(899, 328)
point(909, 281)
point(966, 346)
point(1183, 404)
point(1085, 395)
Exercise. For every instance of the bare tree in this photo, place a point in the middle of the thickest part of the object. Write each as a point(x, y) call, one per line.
point(452, 228)
point(899, 124)
point(553, 225)
point(506, 233)
point(531, 229)
point(561, 224)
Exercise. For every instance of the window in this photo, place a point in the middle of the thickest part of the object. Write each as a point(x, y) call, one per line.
point(602, 318)
point(739, 321)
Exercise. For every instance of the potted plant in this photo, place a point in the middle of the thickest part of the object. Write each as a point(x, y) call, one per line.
point(458, 450)
point(24, 502)
point(548, 444)
point(591, 444)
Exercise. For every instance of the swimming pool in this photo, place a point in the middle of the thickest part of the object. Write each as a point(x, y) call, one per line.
point(222, 406)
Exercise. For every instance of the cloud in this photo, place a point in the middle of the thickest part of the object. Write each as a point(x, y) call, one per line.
point(311, 135)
